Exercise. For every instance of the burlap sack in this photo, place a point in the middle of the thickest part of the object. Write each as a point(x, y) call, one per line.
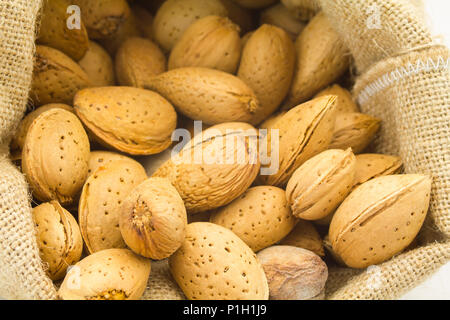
point(404, 80)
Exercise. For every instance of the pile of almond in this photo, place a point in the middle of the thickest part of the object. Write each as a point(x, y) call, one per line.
point(114, 88)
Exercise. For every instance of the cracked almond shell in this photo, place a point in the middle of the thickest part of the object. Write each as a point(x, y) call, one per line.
point(211, 42)
point(103, 18)
point(55, 156)
point(209, 95)
point(379, 219)
point(153, 219)
point(59, 238)
point(354, 130)
point(54, 32)
point(113, 274)
point(260, 217)
point(267, 67)
point(305, 235)
point(56, 77)
point(223, 171)
point(100, 202)
point(214, 263)
point(131, 120)
point(318, 187)
point(304, 131)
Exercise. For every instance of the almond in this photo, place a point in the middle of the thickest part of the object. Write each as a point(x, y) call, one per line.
point(175, 16)
point(153, 219)
point(318, 187)
point(370, 165)
point(209, 95)
point(213, 263)
point(55, 156)
point(54, 31)
point(344, 103)
point(56, 77)
point(243, 17)
point(255, 4)
point(280, 16)
point(99, 159)
point(98, 65)
point(114, 274)
point(302, 9)
point(131, 120)
point(59, 238)
point(260, 217)
point(215, 167)
point(304, 235)
point(100, 202)
point(137, 61)
point(354, 130)
point(210, 42)
point(321, 58)
point(379, 219)
point(267, 67)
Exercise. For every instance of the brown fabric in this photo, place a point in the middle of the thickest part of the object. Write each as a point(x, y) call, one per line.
point(413, 103)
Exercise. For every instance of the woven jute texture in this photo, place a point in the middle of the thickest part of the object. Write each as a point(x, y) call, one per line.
point(403, 79)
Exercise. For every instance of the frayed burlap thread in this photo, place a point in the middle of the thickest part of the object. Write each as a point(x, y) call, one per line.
point(161, 285)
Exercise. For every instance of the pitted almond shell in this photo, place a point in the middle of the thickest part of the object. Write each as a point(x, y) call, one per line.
point(153, 219)
point(211, 42)
point(56, 77)
point(175, 16)
point(209, 95)
point(267, 67)
point(99, 159)
point(318, 187)
point(380, 218)
point(21, 133)
point(280, 16)
point(344, 103)
point(113, 274)
point(304, 131)
point(322, 57)
point(209, 172)
point(103, 18)
point(98, 65)
point(59, 238)
point(54, 31)
point(260, 217)
point(137, 61)
point(354, 130)
point(372, 165)
point(55, 156)
point(100, 202)
point(131, 120)
point(304, 235)
point(214, 263)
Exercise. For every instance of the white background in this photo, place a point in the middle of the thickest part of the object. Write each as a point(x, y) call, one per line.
point(438, 286)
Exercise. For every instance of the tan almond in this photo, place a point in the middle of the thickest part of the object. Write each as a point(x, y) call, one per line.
point(243, 17)
point(56, 77)
point(59, 238)
point(267, 67)
point(103, 18)
point(114, 274)
point(213, 263)
point(99, 159)
point(260, 217)
point(153, 219)
point(131, 120)
point(280, 16)
point(137, 61)
point(209, 95)
point(371, 165)
point(303, 10)
point(215, 167)
point(54, 31)
point(98, 65)
point(293, 273)
point(210, 42)
point(354, 130)
point(255, 4)
point(345, 103)
point(144, 20)
point(175, 16)
point(100, 202)
point(322, 58)
point(304, 235)
point(21, 133)
point(318, 187)
point(303, 131)
point(380, 218)
point(55, 156)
